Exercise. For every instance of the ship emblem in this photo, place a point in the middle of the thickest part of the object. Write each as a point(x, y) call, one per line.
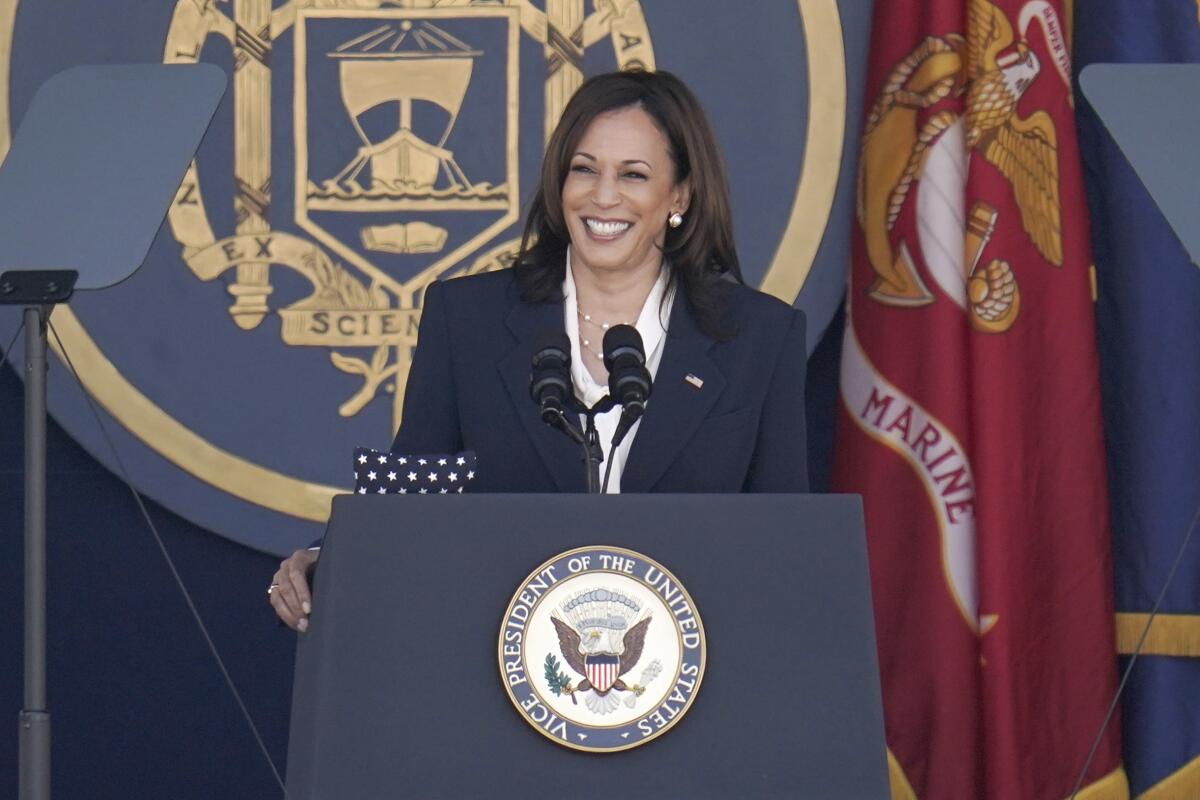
point(405, 122)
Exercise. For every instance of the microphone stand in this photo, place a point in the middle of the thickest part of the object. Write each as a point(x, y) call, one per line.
point(591, 452)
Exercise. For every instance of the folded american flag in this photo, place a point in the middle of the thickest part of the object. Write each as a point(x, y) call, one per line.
point(377, 472)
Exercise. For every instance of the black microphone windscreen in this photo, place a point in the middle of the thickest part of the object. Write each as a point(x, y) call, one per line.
point(625, 359)
point(552, 344)
point(550, 374)
point(623, 340)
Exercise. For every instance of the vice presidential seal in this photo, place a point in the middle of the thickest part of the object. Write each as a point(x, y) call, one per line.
point(602, 649)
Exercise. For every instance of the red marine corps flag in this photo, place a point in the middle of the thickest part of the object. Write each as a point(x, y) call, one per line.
point(970, 414)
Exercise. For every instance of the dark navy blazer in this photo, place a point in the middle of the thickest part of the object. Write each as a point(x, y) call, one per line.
point(741, 431)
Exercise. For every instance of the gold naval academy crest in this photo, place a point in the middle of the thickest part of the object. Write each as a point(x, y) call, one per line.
point(387, 191)
point(602, 649)
point(388, 83)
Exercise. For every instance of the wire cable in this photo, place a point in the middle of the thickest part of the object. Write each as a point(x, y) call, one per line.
point(612, 452)
point(212, 647)
point(1112, 707)
point(7, 350)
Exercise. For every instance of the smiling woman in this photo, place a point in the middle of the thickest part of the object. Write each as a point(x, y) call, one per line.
point(618, 198)
point(635, 147)
point(630, 225)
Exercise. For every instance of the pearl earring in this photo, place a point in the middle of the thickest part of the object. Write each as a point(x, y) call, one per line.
point(675, 220)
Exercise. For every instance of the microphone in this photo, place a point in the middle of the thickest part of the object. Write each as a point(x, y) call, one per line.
point(550, 377)
point(550, 387)
point(628, 379)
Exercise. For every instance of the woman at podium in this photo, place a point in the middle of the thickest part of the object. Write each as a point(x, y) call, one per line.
point(630, 225)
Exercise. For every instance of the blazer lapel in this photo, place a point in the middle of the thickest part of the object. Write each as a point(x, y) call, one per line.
point(676, 405)
point(526, 321)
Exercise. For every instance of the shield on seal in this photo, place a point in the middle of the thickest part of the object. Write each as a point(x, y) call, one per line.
point(602, 671)
point(406, 145)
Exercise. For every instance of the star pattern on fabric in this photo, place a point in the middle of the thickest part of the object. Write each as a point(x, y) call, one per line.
point(378, 472)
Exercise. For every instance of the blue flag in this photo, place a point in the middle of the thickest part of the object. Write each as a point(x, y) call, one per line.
point(1148, 316)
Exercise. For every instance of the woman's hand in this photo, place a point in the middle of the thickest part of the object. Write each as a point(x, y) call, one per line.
point(289, 593)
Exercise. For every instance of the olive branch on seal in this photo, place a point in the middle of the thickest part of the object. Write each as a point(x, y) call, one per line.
point(558, 680)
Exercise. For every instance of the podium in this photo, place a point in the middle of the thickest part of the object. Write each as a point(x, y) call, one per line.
point(397, 689)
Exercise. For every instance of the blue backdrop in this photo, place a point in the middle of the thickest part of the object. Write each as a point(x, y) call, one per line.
point(139, 707)
point(1149, 339)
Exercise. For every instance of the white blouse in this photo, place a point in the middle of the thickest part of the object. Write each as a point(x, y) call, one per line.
point(652, 325)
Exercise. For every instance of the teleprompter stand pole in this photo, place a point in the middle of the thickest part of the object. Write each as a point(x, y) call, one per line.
point(34, 721)
point(37, 291)
point(122, 135)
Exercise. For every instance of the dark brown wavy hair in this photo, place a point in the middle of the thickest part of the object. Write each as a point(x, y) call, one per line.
point(700, 252)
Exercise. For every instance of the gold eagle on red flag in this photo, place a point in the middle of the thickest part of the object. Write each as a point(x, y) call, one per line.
point(988, 75)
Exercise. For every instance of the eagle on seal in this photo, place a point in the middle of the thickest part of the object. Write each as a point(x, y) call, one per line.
point(575, 654)
point(600, 667)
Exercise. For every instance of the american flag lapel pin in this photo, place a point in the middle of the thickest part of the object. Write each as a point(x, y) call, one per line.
point(694, 381)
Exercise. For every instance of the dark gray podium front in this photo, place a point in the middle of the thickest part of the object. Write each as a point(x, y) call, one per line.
point(398, 693)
